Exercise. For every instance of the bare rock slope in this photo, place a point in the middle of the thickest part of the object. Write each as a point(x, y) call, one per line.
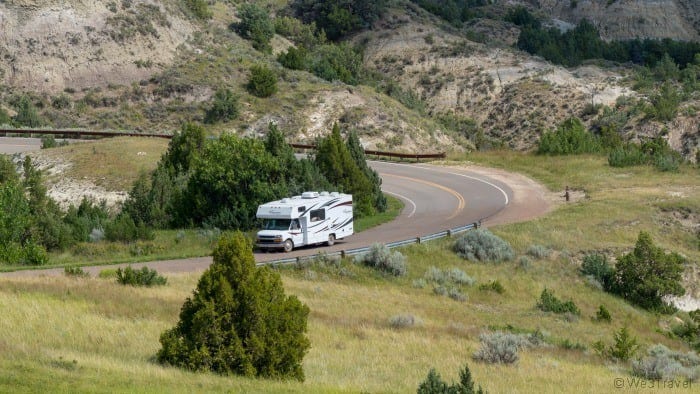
point(52, 45)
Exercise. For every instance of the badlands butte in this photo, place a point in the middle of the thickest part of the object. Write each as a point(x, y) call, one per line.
point(149, 66)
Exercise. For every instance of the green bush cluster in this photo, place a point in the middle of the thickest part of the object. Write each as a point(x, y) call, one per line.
point(238, 320)
point(574, 46)
point(570, 138)
point(548, 302)
point(48, 141)
point(256, 25)
point(341, 17)
point(76, 272)
point(198, 8)
point(332, 62)
point(143, 277)
point(623, 348)
point(494, 285)
point(454, 11)
point(647, 275)
point(223, 108)
point(603, 315)
point(433, 384)
point(655, 151)
point(482, 245)
point(262, 81)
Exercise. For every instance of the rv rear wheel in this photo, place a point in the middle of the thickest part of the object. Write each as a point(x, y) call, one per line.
point(288, 245)
point(331, 240)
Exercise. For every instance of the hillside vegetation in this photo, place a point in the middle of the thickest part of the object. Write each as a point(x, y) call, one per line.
point(372, 331)
point(407, 75)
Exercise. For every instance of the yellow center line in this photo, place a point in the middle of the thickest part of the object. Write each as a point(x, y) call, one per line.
point(460, 199)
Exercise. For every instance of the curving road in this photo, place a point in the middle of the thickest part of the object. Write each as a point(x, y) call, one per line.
point(436, 198)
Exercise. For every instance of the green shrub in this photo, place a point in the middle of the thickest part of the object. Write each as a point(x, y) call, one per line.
point(48, 141)
point(262, 82)
point(238, 320)
point(143, 277)
point(199, 8)
point(433, 384)
point(256, 25)
point(548, 302)
point(482, 245)
point(603, 314)
point(294, 58)
point(34, 254)
point(569, 138)
point(224, 107)
point(108, 273)
point(27, 114)
point(383, 259)
point(597, 267)
point(337, 62)
point(624, 347)
point(626, 156)
point(648, 274)
point(494, 285)
point(123, 229)
point(76, 272)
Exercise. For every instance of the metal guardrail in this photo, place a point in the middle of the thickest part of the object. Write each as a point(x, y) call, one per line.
point(415, 156)
point(356, 251)
point(80, 133)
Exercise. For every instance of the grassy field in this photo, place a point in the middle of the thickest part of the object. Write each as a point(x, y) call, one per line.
point(64, 334)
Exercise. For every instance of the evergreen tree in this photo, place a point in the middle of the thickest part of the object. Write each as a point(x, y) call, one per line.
point(648, 274)
point(336, 163)
point(238, 320)
point(262, 82)
point(256, 25)
point(358, 155)
point(27, 114)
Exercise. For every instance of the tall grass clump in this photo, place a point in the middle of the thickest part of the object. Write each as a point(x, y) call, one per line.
point(143, 277)
point(661, 363)
point(383, 259)
point(548, 302)
point(482, 245)
point(75, 272)
point(539, 251)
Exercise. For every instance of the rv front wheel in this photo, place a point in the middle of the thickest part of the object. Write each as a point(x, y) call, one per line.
point(331, 240)
point(288, 245)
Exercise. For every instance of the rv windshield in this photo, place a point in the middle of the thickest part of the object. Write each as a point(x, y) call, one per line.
point(276, 224)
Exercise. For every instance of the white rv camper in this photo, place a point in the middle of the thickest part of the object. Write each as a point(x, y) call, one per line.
point(311, 218)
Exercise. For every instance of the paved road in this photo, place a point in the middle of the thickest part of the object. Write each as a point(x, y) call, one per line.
point(436, 198)
point(12, 145)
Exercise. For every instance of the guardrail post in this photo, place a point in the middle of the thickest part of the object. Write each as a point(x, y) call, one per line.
point(449, 232)
point(342, 254)
point(476, 224)
point(418, 240)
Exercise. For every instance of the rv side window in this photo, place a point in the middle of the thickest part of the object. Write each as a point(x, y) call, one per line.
point(318, 214)
point(301, 209)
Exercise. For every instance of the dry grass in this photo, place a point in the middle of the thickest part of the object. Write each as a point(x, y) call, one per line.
point(112, 163)
point(112, 332)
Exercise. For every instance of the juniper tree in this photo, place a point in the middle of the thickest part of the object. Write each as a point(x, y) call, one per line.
point(238, 320)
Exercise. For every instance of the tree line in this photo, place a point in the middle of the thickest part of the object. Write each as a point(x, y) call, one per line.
point(220, 182)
